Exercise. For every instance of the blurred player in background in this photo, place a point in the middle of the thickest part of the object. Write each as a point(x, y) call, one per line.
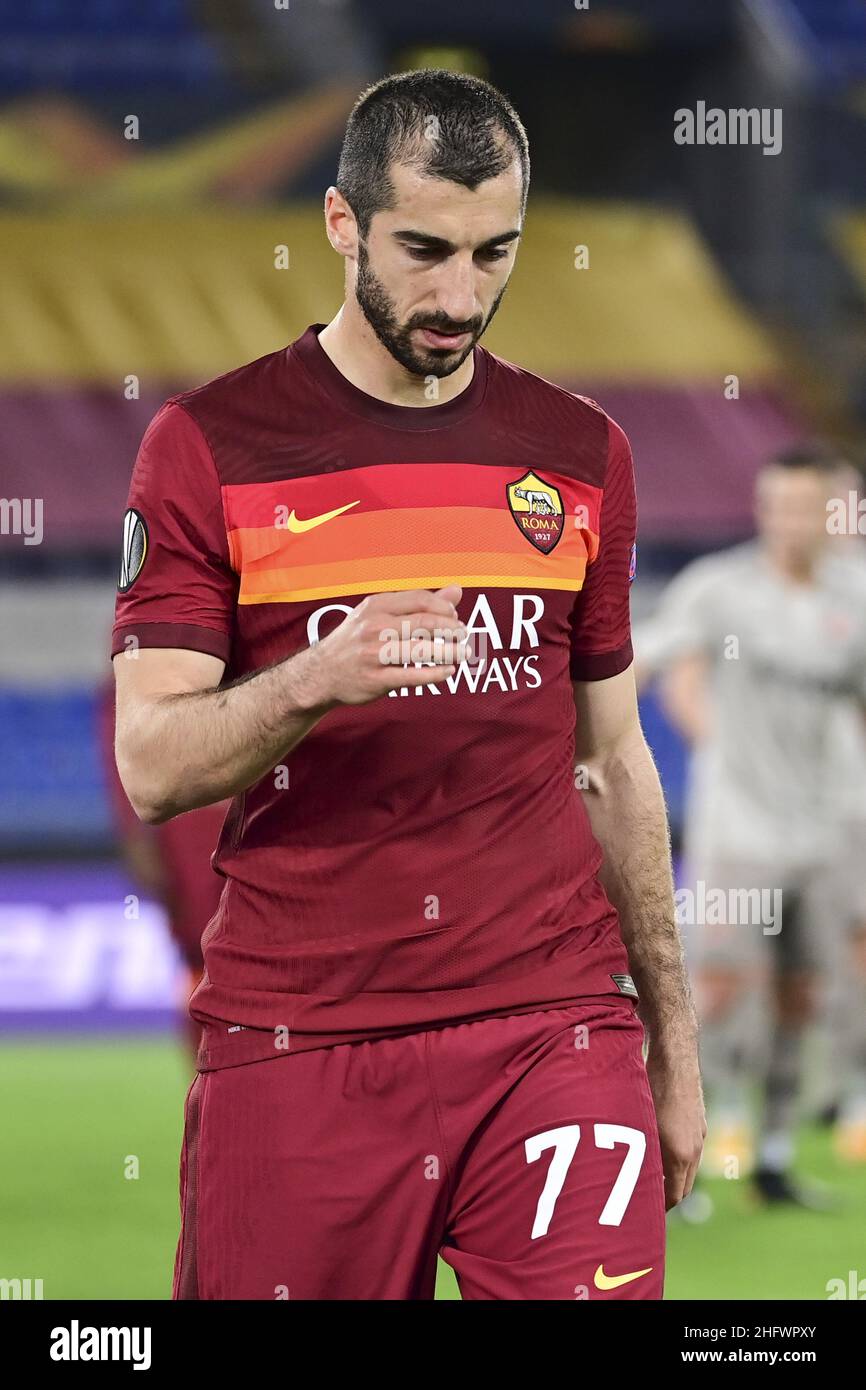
point(761, 651)
point(171, 863)
point(846, 1012)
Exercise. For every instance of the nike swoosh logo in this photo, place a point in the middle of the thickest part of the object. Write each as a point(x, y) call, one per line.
point(295, 524)
point(613, 1281)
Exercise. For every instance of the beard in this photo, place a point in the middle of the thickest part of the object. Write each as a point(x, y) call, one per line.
point(378, 309)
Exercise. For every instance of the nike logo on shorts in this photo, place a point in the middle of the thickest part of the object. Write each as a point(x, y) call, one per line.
point(614, 1281)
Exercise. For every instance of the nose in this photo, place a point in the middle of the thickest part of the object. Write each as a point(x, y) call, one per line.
point(456, 296)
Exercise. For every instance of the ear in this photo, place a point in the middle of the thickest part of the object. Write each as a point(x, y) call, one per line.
point(340, 223)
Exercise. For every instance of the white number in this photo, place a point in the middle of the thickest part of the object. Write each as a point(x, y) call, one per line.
point(620, 1196)
point(564, 1142)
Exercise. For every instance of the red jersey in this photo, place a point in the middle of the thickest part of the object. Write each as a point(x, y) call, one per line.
point(426, 858)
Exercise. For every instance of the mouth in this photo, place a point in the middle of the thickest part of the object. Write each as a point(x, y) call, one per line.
point(435, 339)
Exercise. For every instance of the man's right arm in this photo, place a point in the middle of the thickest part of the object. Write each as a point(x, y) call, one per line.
point(184, 741)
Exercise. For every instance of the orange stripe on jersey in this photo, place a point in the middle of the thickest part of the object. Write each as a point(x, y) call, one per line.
point(332, 541)
point(374, 533)
point(267, 578)
point(396, 582)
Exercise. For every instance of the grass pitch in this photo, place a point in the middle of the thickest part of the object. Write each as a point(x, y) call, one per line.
point(80, 1114)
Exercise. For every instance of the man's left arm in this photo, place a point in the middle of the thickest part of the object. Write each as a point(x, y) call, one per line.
point(626, 808)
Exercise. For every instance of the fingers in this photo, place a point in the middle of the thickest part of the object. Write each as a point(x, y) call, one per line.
point(680, 1173)
point(422, 633)
point(442, 604)
point(452, 593)
point(424, 623)
point(691, 1175)
point(673, 1190)
point(426, 639)
point(435, 650)
point(418, 618)
point(438, 651)
point(424, 675)
point(418, 649)
point(678, 1184)
point(390, 640)
point(676, 1189)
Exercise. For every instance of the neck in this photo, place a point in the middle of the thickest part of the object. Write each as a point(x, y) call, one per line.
point(357, 353)
point(799, 569)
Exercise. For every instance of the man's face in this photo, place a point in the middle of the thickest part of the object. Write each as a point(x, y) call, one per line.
point(791, 511)
point(434, 267)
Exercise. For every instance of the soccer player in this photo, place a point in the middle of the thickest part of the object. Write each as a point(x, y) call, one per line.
point(847, 1022)
point(763, 654)
point(375, 586)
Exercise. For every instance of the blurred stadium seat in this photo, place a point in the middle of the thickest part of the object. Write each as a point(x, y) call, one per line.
point(52, 785)
point(99, 43)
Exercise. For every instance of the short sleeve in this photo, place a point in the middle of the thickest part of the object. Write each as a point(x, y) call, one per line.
point(685, 622)
point(176, 587)
point(601, 623)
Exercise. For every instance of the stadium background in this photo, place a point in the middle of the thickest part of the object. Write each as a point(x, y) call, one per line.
point(151, 160)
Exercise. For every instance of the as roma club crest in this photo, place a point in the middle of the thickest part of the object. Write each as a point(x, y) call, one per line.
point(537, 509)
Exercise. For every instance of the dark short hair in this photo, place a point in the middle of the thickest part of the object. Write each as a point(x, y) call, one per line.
point(476, 134)
point(816, 455)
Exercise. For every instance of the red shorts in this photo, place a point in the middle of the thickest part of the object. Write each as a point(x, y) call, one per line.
point(524, 1150)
